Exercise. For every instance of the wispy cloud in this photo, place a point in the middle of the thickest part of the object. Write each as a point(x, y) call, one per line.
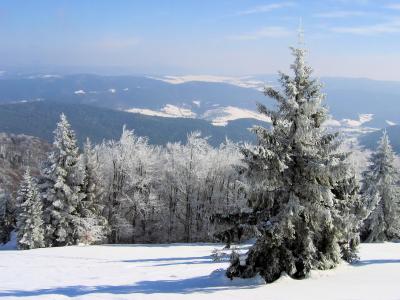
point(120, 43)
point(265, 32)
point(340, 14)
point(381, 28)
point(264, 8)
point(359, 2)
point(395, 6)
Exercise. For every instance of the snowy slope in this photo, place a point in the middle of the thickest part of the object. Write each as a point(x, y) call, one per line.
point(180, 271)
point(218, 116)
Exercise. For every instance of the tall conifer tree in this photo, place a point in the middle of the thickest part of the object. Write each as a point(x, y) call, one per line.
point(381, 194)
point(62, 182)
point(304, 195)
point(30, 233)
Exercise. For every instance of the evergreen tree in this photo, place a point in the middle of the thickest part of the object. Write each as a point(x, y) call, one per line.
point(7, 216)
point(91, 224)
point(303, 193)
point(30, 233)
point(381, 195)
point(61, 185)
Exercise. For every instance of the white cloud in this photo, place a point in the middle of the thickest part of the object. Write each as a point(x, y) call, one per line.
point(340, 14)
point(112, 91)
point(264, 8)
point(266, 32)
point(80, 92)
point(359, 2)
point(395, 6)
point(388, 27)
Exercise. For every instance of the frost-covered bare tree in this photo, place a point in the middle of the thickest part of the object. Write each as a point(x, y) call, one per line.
point(30, 232)
point(304, 197)
point(381, 195)
point(199, 181)
point(166, 194)
point(185, 166)
point(358, 155)
point(128, 172)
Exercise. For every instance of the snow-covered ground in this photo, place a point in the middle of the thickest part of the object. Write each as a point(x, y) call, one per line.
point(222, 115)
point(179, 271)
point(168, 111)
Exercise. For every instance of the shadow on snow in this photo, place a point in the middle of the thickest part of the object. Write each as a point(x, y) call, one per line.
point(367, 262)
point(214, 282)
point(161, 259)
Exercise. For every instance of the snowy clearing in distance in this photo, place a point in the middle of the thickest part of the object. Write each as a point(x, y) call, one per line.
point(222, 115)
point(168, 111)
point(219, 116)
point(183, 271)
point(242, 81)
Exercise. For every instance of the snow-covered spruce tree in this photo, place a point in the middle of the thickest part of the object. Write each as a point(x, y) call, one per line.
point(91, 225)
point(7, 216)
point(61, 187)
point(304, 195)
point(381, 195)
point(30, 233)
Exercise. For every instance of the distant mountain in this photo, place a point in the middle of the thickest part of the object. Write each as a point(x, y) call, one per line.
point(349, 97)
point(39, 119)
point(124, 92)
point(203, 97)
point(370, 140)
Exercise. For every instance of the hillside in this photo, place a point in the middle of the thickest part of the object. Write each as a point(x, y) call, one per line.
point(347, 98)
point(124, 92)
point(370, 140)
point(39, 119)
point(184, 271)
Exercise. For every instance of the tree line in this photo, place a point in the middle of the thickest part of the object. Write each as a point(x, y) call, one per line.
point(127, 191)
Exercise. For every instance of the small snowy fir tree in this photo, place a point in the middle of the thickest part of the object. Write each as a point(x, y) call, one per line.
point(381, 195)
point(30, 233)
point(304, 195)
point(91, 225)
point(61, 187)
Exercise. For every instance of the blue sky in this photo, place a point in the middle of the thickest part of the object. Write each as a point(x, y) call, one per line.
point(355, 38)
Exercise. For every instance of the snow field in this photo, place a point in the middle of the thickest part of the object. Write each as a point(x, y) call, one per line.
point(183, 271)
